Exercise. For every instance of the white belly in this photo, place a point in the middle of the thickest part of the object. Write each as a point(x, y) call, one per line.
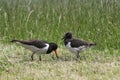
point(35, 49)
point(75, 50)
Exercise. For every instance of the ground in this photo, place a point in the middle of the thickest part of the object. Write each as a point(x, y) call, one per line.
point(93, 65)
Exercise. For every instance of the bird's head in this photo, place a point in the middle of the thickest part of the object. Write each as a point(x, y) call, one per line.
point(68, 35)
point(54, 48)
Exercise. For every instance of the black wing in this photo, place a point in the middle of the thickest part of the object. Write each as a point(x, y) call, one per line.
point(78, 43)
point(37, 43)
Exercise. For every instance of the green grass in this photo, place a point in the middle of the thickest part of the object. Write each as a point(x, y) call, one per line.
point(92, 20)
point(96, 20)
point(93, 65)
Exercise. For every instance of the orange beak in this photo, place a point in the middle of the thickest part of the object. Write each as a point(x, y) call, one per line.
point(56, 53)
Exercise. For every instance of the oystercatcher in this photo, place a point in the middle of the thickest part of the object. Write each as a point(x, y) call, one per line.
point(38, 46)
point(75, 45)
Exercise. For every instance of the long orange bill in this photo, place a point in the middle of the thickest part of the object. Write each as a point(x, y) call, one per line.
point(56, 53)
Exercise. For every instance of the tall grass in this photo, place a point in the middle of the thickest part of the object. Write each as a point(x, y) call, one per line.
point(91, 20)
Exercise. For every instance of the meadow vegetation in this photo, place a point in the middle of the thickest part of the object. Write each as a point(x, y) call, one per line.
point(92, 20)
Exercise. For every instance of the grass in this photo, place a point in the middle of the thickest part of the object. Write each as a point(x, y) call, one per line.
point(91, 20)
point(16, 64)
point(96, 20)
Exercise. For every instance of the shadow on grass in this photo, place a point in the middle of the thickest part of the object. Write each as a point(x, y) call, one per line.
point(24, 58)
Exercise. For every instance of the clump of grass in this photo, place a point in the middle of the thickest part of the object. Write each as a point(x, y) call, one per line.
point(4, 63)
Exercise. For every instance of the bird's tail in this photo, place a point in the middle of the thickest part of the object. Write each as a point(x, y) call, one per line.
point(92, 44)
point(14, 41)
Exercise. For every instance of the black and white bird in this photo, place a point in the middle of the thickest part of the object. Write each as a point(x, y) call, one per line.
point(75, 45)
point(38, 46)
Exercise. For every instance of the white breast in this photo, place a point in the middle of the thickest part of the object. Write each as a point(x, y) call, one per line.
point(68, 46)
point(75, 50)
point(34, 48)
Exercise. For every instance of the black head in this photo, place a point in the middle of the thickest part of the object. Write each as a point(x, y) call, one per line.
point(68, 35)
point(53, 47)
